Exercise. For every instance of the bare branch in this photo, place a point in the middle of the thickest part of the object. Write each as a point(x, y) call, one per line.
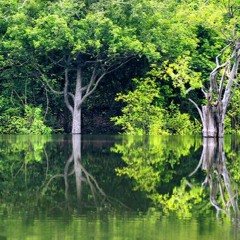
point(217, 69)
point(232, 76)
point(188, 90)
point(110, 69)
point(57, 62)
point(204, 92)
point(220, 90)
point(198, 166)
point(92, 82)
point(93, 78)
point(50, 88)
point(66, 92)
point(213, 76)
point(46, 93)
point(90, 179)
point(221, 53)
point(199, 110)
point(92, 90)
point(45, 81)
point(18, 96)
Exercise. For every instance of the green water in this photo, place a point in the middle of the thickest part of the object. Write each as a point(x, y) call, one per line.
point(118, 187)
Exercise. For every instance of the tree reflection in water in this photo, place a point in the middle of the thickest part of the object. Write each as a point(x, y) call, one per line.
point(45, 171)
point(218, 179)
point(160, 167)
point(74, 167)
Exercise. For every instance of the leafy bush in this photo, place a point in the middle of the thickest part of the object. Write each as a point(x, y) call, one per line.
point(143, 113)
point(180, 123)
point(15, 120)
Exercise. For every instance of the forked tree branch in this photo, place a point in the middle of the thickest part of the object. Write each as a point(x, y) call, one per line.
point(89, 92)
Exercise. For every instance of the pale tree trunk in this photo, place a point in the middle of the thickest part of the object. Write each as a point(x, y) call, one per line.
point(82, 175)
point(82, 92)
point(73, 167)
point(213, 125)
point(95, 71)
point(76, 115)
point(80, 95)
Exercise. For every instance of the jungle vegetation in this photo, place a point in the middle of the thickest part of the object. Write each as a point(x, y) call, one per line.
point(132, 66)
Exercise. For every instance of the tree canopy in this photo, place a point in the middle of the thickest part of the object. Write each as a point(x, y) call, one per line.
point(67, 56)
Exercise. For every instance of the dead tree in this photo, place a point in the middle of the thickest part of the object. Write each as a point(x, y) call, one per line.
point(223, 80)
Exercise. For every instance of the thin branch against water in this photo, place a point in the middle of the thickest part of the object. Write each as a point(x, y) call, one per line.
point(198, 166)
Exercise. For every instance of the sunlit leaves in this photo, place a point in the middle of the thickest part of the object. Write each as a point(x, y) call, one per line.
point(12, 120)
point(51, 32)
point(182, 200)
point(141, 115)
point(151, 161)
point(144, 112)
point(182, 75)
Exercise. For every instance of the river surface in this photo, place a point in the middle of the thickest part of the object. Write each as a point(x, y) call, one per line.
point(119, 187)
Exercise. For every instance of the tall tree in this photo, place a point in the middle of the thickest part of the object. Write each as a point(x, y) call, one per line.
point(73, 45)
point(83, 42)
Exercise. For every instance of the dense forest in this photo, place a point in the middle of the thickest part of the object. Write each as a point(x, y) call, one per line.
point(132, 66)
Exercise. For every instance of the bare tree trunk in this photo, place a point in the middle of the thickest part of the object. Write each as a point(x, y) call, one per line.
point(213, 123)
point(76, 121)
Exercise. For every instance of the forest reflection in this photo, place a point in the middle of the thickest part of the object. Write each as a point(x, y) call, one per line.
point(186, 176)
point(161, 167)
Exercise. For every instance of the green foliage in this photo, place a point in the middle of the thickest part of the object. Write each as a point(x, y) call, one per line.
point(232, 121)
point(182, 75)
point(93, 28)
point(182, 199)
point(233, 156)
point(153, 163)
point(152, 160)
point(180, 123)
point(182, 38)
point(157, 167)
point(141, 115)
point(12, 120)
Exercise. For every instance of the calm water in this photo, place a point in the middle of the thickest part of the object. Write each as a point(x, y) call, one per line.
point(119, 187)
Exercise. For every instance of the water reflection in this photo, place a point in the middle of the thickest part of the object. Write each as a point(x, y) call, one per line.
point(161, 168)
point(59, 187)
point(84, 181)
point(223, 191)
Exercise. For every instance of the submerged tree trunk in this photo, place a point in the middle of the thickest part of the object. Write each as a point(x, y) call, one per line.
point(213, 123)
